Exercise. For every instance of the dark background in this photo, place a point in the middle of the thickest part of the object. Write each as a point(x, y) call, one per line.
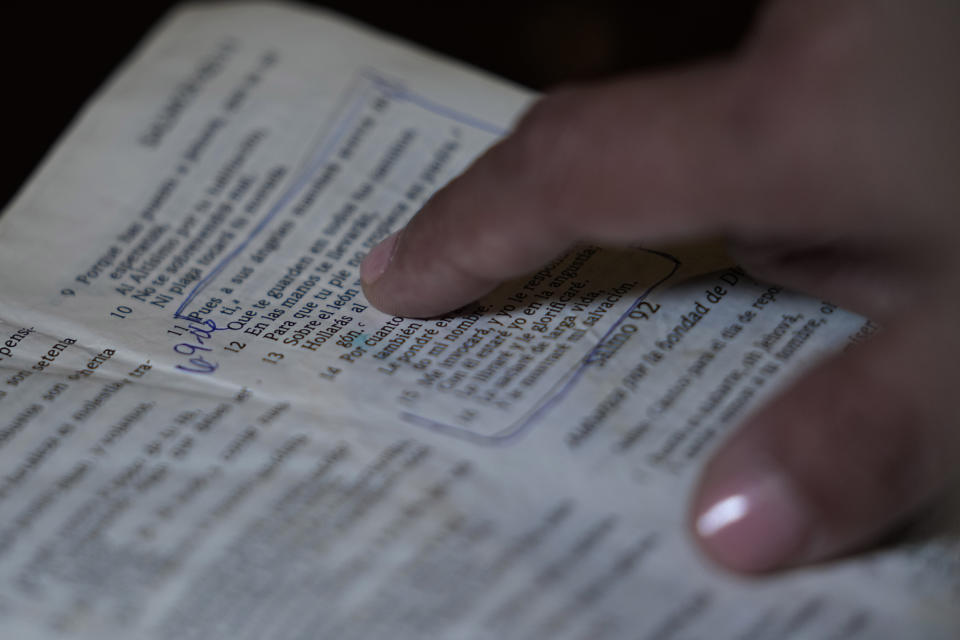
point(56, 54)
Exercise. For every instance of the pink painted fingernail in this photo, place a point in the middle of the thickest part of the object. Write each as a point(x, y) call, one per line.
point(377, 261)
point(754, 523)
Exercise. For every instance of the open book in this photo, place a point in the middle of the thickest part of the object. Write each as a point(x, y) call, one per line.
point(207, 432)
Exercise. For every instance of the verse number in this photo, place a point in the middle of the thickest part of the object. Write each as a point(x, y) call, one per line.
point(122, 312)
point(330, 373)
point(468, 415)
point(235, 346)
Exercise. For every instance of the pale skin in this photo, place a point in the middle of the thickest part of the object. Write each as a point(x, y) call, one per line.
point(826, 153)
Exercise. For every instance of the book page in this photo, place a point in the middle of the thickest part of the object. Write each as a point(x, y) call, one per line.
point(207, 432)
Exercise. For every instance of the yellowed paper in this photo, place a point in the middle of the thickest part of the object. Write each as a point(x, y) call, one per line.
point(207, 432)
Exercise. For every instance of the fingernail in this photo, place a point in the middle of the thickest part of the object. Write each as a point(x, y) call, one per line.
point(755, 524)
point(378, 259)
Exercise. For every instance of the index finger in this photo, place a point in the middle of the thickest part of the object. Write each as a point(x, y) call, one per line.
point(616, 163)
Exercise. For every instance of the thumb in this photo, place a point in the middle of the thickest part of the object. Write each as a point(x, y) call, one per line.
point(846, 454)
point(609, 164)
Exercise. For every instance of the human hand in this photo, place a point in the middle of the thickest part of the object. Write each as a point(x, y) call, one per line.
point(826, 153)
